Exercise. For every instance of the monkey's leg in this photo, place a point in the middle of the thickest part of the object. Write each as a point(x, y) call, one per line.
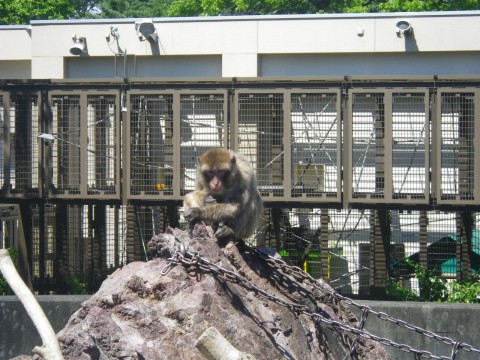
point(224, 231)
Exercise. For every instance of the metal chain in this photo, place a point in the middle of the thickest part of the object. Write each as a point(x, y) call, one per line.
point(194, 261)
point(300, 275)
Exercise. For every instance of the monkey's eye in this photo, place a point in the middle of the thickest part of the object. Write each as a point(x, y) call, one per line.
point(222, 173)
point(209, 174)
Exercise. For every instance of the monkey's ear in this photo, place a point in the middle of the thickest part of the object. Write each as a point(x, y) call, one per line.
point(233, 160)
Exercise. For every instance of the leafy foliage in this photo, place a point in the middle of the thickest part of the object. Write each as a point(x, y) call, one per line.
point(434, 288)
point(255, 7)
point(467, 292)
point(396, 291)
point(427, 5)
point(22, 11)
point(133, 8)
point(77, 286)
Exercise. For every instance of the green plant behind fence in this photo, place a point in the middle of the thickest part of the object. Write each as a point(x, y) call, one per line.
point(434, 288)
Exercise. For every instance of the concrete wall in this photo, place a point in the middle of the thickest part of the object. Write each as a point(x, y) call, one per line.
point(455, 321)
point(18, 335)
point(458, 322)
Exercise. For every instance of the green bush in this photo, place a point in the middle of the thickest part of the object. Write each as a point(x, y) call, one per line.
point(77, 286)
point(464, 292)
point(396, 291)
point(434, 288)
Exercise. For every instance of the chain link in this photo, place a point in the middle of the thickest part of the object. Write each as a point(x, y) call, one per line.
point(193, 261)
point(303, 276)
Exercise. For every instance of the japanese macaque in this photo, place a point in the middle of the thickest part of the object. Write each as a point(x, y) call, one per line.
point(225, 195)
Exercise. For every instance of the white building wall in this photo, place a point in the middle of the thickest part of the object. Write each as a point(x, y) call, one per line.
point(248, 46)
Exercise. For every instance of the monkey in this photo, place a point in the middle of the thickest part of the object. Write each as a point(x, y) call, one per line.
point(226, 195)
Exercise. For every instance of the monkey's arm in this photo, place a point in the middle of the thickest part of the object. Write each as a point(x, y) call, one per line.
point(218, 213)
point(211, 212)
point(193, 203)
point(222, 216)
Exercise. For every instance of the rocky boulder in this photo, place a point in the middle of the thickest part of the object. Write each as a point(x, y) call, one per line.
point(159, 309)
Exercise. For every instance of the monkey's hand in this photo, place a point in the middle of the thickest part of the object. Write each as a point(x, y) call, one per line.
point(209, 200)
point(223, 231)
point(193, 214)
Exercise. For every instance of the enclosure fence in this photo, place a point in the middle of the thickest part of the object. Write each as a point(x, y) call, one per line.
point(357, 177)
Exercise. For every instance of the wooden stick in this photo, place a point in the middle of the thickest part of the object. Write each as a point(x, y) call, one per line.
point(51, 348)
point(214, 346)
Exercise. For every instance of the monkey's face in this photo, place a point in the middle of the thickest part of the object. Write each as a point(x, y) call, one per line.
point(217, 180)
point(217, 167)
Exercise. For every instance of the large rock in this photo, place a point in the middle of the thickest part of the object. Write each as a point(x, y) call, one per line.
point(140, 313)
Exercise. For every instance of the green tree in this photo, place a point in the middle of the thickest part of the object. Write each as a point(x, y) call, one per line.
point(428, 5)
point(133, 8)
point(22, 11)
point(251, 7)
point(245, 7)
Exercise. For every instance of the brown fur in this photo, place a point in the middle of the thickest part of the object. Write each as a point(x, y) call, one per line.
point(235, 209)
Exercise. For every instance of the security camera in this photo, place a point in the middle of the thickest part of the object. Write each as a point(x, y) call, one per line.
point(79, 46)
point(403, 27)
point(77, 49)
point(146, 30)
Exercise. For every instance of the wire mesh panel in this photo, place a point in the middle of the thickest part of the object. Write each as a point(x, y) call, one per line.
point(2, 142)
point(410, 146)
point(115, 234)
point(90, 241)
point(441, 251)
point(389, 139)
point(44, 247)
point(456, 151)
point(66, 144)
point(23, 152)
point(368, 146)
point(72, 224)
point(9, 231)
point(103, 134)
point(260, 124)
point(151, 130)
point(146, 225)
point(315, 146)
point(349, 250)
point(202, 119)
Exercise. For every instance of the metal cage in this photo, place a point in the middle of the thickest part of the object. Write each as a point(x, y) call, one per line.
point(388, 135)
point(457, 133)
point(84, 145)
point(166, 134)
point(20, 118)
point(293, 140)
